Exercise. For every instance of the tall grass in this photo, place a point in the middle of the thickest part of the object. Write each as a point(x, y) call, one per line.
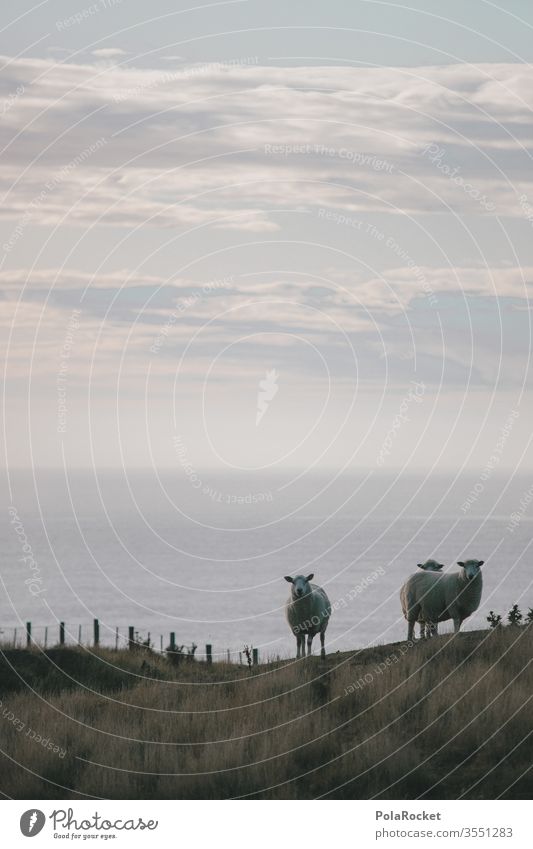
point(448, 718)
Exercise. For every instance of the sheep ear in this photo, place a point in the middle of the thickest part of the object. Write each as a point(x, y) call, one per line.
point(480, 562)
point(289, 579)
point(310, 577)
point(420, 565)
point(460, 563)
point(441, 566)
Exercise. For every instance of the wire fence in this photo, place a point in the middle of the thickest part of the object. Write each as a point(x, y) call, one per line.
point(120, 639)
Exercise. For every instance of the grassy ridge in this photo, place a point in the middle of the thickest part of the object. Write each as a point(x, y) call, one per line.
point(447, 718)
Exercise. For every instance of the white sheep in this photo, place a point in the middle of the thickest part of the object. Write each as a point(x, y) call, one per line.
point(308, 610)
point(429, 629)
point(433, 597)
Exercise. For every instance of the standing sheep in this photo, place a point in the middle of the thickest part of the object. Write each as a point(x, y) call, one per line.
point(308, 610)
point(432, 597)
point(429, 629)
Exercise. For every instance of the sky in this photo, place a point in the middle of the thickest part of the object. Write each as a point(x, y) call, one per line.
point(254, 236)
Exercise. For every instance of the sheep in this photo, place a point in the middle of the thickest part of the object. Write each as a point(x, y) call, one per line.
point(434, 597)
point(429, 629)
point(308, 610)
point(431, 566)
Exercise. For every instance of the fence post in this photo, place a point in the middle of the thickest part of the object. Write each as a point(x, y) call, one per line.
point(172, 641)
point(61, 633)
point(209, 653)
point(28, 634)
point(46, 636)
point(255, 655)
point(15, 638)
point(79, 635)
point(96, 627)
point(161, 643)
point(131, 637)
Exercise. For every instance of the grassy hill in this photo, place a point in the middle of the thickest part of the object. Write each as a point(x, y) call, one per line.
point(448, 718)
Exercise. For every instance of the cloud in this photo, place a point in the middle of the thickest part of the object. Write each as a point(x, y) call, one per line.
point(228, 144)
point(108, 52)
point(287, 162)
point(473, 328)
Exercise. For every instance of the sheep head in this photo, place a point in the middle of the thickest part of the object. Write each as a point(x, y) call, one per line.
point(300, 585)
point(431, 566)
point(471, 568)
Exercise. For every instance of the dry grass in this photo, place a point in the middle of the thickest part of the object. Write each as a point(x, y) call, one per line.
point(447, 718)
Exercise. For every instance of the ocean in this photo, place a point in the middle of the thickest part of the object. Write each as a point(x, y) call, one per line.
point(205, 556)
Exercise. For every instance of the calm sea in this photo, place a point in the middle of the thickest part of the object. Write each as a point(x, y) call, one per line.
point(205, 558)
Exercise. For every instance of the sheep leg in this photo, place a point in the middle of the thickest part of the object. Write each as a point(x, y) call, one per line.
point(322, 640)
point(427, 630)
point(457, 622)
point(298, 645)
point(309, 641)
point(411, 629)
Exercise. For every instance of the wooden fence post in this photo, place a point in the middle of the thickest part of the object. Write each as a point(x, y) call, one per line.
point(28, 635)
point(209, 653)
point(79, 635)
point(96, 628)
point(61, 633)
point(172, 641)
point(46, 636)
point(15, 638)
point(116, 638)
point(255, 655)
point(131, 637)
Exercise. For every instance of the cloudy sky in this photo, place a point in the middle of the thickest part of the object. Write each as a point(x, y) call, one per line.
point(324, 211)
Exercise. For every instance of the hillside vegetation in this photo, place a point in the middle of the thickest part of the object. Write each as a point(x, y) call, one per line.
point(447, 718)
